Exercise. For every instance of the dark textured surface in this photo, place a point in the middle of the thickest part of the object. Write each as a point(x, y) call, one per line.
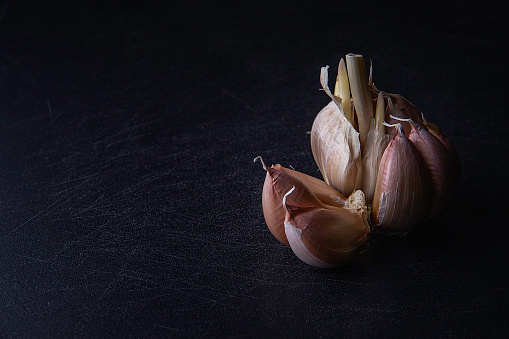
point(129, 203)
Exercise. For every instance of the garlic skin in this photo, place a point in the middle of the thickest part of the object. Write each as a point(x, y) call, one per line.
point(336, 148)
point(402, 194)
point(325, 193)
point(325, 236)
point(335, 145)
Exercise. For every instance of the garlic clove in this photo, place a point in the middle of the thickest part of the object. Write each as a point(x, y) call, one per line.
point(312, 192)
point(273, 214)
point(402, 192)
point(276, 184)
point(326, 237)
point(335, 145)
point(439, 163)
point(433, 129)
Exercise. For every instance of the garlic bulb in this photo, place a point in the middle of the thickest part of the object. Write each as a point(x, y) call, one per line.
point(397, 169)
point(323, 228)
point(354, 151)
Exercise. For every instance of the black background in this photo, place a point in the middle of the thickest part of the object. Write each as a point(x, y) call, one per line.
point(129, 202)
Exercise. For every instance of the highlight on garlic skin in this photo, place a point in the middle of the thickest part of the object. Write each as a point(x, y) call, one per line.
point(380, 143)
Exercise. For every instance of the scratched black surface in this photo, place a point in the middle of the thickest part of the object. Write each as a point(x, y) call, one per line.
point(130, 205)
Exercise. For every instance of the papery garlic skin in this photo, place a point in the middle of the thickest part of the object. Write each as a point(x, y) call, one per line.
point(376, 143)
point(402, 194)
point(328, 236)
point(336, 147)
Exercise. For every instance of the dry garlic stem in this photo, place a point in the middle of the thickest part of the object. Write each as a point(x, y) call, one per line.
point(360, 93)
point(380, 113)
point(342, 90)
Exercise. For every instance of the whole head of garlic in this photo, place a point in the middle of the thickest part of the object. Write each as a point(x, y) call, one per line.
point(396, 168)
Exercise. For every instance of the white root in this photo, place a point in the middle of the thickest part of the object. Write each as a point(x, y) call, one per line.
point(261, 160)
point(287, 194)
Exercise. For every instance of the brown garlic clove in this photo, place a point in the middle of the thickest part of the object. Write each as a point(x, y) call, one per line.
point(325, 236)
point(278, 181)
point(402, 193)
point(439, 163)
